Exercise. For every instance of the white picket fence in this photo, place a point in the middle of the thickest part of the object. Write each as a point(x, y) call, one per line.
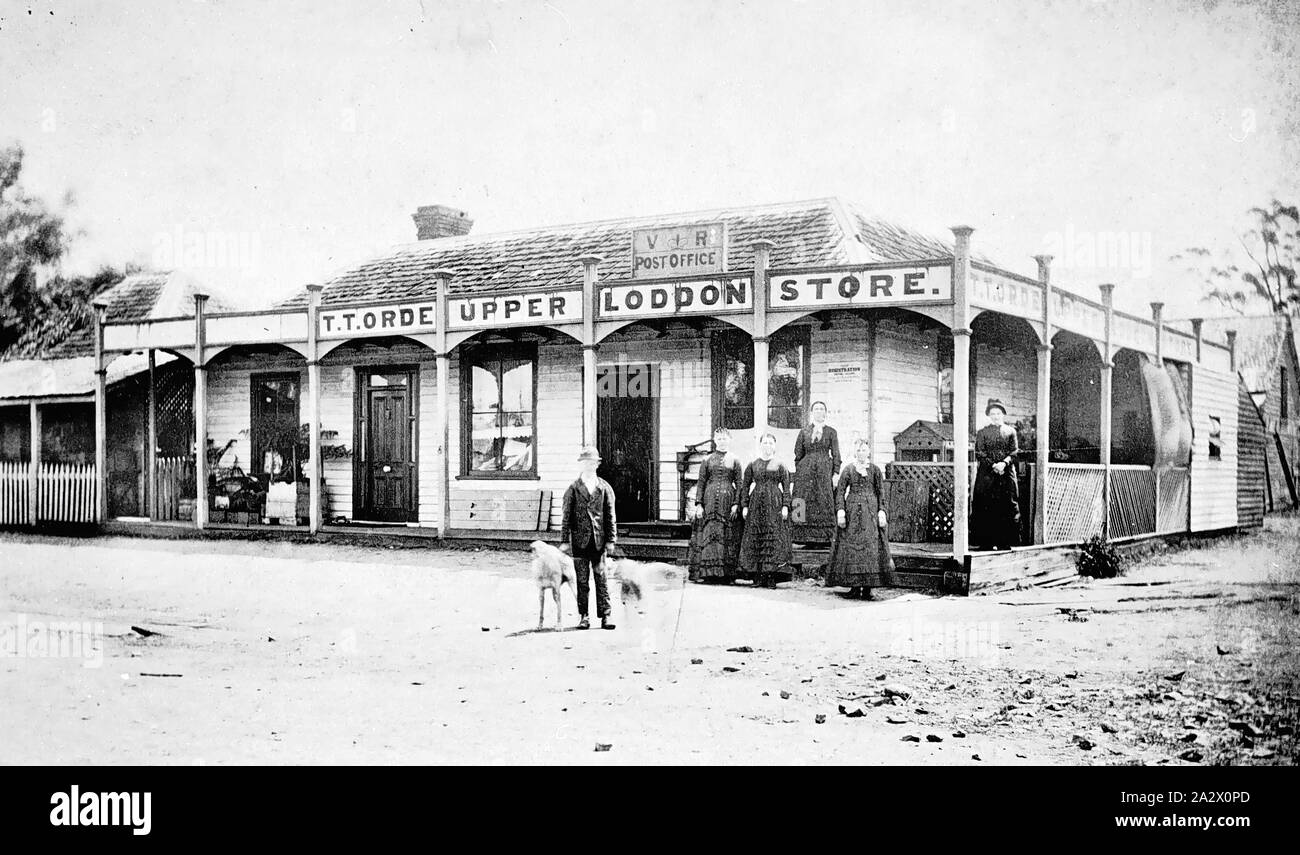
point(13, 493)
point(66, 492)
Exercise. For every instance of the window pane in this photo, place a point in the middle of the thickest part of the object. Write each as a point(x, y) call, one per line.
point(785, 383)
point(516, 385)
point(483, 388)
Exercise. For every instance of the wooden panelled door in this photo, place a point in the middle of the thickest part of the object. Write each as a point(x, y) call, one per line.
point(388, 427)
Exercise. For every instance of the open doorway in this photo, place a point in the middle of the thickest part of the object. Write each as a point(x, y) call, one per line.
point(627, 416)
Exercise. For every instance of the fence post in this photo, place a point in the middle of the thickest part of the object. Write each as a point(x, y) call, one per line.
point(1107, 364)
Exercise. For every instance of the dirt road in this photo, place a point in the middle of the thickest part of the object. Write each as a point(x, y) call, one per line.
point(277, 653)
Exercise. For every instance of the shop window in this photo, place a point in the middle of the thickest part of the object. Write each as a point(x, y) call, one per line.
point(499, 433)
point(788, 377)
point(1216, 438)
point(944, 366)
point(15, 425)
point(275, 426)
point(68, 433)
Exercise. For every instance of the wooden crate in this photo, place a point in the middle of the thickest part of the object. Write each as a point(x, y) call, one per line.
point(907, 504)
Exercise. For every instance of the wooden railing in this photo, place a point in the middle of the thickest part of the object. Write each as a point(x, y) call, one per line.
point(1074, 501)
point(1132, 500)
point(1173, 488)
point(66, 493)
point(13, 492)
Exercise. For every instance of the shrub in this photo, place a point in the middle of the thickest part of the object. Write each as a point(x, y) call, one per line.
point(1099, 559)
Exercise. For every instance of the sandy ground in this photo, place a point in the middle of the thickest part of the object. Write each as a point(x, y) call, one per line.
point(278, 653)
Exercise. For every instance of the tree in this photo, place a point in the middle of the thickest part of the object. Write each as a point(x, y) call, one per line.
point(1266, 275)
point(31, 237)
point(36, 318)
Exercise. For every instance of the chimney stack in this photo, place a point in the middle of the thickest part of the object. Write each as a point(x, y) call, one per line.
point(440, 221)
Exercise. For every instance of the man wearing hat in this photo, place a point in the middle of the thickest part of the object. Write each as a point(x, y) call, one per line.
point(588, 531)
point(995, 511)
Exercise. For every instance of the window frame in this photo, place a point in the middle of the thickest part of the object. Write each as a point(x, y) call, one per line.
point(254, 378)
point(488, 353)
point(722, 344)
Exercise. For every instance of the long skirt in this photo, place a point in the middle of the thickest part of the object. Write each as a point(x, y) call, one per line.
point(860, 555)
point(995, 509)
point(813, 490)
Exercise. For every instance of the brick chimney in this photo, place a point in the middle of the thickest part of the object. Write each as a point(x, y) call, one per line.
point(440, 221)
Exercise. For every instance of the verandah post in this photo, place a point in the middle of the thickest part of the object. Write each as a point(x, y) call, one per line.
point(151, 439)
point(101, 418)
point(34, 465)
point(1107, 363)
point(762, 252)
point(1157, 311)
point(313, 408)
point(442, 279)
point(1043, 410)
point(589, 346)
point(961, 335)
point(200, 413)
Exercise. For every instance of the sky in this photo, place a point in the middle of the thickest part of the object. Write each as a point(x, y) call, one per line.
point(293, 139)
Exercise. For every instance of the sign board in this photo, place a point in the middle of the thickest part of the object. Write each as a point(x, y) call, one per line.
point(891, 286)
point(366, 321)
point(514, 310)
point(695, 250)
point(699, 296)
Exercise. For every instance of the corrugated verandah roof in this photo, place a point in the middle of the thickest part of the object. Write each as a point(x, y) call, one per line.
point(819, 232)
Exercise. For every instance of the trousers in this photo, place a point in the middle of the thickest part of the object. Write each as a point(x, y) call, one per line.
point(591, 560)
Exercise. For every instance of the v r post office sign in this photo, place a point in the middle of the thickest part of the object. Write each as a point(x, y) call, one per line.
point(695, 250)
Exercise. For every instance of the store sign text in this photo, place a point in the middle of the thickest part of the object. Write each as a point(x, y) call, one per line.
point(400, 319)
point(679, 251)
point(861, 288)
point(709, 296)
point(512, 310)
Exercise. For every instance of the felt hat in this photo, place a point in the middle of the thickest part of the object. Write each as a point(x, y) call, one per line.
point(589, 452)
point(994, 402)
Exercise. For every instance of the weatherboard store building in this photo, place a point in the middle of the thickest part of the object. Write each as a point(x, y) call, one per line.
point(448, 385)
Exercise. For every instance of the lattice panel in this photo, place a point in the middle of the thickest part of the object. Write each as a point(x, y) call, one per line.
point(1171, 509)
point(174, 395)
point(939, 477)
point(1074, 502)
point(1132, 502)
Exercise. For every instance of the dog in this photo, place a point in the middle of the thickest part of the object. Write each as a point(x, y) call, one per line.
point(552, 570)
point(637, 578)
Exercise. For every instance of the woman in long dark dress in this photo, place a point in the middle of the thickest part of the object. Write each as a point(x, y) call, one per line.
point(860, 557)
point(715, 538)
point(765, 508)
point(816, 465)
point(995, 512)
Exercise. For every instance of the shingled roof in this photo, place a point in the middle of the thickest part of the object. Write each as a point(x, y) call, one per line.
point(809, 233)
point(1261, 343)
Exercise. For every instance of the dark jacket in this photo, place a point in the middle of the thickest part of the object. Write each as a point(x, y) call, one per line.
point(588, 519)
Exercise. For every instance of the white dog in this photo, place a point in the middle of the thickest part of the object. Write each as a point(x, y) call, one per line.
point(638, 578)
point(552, 570)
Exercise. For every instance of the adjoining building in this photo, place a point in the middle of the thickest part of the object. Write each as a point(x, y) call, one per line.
point(448, 385)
